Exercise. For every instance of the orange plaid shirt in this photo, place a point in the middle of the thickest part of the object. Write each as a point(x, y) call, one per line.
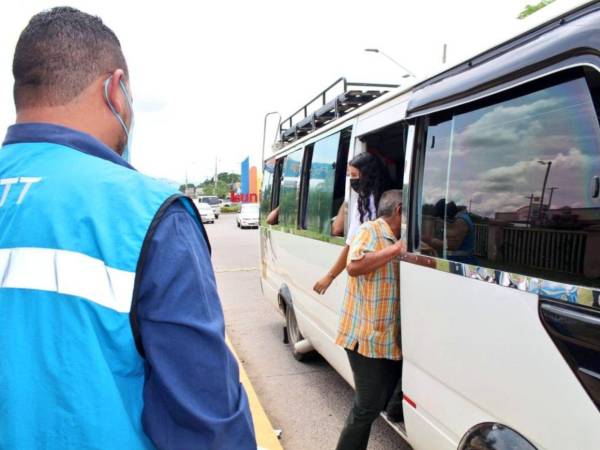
point(371, 310)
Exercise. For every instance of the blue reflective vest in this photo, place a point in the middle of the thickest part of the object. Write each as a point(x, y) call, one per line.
point(72, 229)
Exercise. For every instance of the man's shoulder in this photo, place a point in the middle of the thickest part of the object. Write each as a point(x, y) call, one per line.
point(368, 226)
point(372, 227)
point(366, 231)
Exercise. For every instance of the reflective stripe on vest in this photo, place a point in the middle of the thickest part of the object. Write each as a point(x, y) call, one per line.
point(67, 272)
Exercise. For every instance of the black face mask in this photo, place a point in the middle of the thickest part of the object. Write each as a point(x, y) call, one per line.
point(355, 184)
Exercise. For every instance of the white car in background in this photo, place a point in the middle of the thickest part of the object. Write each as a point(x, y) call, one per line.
point(213, 201)
point(206, 213)
point(248, 216)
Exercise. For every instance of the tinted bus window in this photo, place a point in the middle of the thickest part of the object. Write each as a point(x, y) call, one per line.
point(267, 188)
point(288, 192)
point(321, 185)
point(513, 185)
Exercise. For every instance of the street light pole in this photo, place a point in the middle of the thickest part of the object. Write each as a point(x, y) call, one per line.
point(376, 50)
point(548, 166)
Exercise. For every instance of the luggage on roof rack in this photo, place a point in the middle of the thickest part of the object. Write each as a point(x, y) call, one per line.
point(348, 100)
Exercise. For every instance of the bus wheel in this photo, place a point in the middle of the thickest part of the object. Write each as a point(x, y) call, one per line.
point(293, 334)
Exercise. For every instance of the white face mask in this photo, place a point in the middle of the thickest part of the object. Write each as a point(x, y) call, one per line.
point(128, 132)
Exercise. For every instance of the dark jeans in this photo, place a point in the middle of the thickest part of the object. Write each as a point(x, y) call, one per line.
point(375, 380)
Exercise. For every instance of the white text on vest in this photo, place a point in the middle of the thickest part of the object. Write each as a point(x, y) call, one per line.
point(26, 183)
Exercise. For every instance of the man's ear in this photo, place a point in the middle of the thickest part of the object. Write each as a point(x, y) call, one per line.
point(114, 92)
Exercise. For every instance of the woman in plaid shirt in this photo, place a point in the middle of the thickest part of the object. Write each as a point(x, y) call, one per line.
point(370, 318)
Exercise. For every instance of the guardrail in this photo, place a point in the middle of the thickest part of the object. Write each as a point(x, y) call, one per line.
point(558, 250)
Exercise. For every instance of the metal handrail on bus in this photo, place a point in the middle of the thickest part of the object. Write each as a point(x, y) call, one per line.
point(289, 121)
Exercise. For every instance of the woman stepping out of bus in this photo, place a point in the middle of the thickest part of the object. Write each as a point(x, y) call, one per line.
point(369, 179)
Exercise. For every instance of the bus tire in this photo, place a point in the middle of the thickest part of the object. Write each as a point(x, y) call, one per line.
point(293, 333)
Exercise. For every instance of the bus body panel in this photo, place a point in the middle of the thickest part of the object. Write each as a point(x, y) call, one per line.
point(518, 378)
point(425, 433)
point(293, 263)
point(270, 281)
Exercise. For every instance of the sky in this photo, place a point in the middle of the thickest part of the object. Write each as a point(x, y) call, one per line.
point(204, 74)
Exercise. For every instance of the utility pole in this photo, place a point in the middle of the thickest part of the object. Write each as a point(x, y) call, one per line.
point(444, 54)
point(216, 176)
point(551, 189)
point(530, 197)
point(548, 166)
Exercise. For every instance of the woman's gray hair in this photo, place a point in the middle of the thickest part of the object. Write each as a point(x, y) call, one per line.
point(388, 202)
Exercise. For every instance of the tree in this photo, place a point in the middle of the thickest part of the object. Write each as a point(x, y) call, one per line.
point(184, 186)
point(224, 184)
point(530, 9)
point(229, 178)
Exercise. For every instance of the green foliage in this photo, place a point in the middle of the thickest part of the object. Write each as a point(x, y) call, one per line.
point(530, 9)
point(183, 186)
point(208, 188)
point(230, 209)
point(224, 184)
point(229, 177)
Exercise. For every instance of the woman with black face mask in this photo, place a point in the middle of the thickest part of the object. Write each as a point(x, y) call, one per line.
point(369, 179)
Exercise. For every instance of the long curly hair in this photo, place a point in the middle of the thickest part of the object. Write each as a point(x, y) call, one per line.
point(373, 181)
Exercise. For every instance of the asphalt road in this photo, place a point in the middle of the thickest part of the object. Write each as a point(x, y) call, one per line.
point(307, 401)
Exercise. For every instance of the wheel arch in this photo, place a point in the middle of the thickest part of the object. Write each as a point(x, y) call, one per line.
point(284, 298)
point(488, 436)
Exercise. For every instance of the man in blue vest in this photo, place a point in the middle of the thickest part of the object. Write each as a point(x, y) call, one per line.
point(111, 329)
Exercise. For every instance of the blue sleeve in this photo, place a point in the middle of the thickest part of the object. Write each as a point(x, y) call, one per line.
point(192, 394)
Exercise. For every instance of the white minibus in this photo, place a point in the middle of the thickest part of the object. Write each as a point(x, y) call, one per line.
point(500, 331)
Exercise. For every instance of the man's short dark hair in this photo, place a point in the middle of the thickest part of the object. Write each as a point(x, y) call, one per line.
point(59, 54)
point(389, 201)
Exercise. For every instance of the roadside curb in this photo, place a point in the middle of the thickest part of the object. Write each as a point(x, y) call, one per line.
point(265, 435)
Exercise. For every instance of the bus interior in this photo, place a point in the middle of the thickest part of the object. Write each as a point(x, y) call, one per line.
point(389, 145)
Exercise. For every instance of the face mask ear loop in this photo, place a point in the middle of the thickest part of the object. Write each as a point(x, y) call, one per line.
point(126, 92)
point(112, 108)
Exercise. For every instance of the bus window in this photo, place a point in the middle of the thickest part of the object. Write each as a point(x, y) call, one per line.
point(319, 207)
point(389, 145)
point(339, 186)
point(325, 180)
point(512, 184)
point(289, 189)
point(266, 195)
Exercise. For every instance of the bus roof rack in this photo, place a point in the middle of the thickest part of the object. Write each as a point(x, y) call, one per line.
point(353, 95)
